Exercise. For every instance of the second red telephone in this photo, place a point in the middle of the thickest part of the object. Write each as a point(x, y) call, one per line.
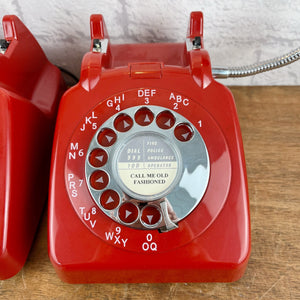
point(30, 89)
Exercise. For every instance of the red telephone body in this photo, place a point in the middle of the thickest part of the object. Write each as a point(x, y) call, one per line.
point(148, 178)
point(30, 88)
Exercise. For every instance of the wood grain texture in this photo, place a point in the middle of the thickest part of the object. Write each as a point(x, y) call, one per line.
point(270, 122)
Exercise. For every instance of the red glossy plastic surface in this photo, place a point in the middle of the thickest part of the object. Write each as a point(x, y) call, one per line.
point(30, 88)
point(213, 242)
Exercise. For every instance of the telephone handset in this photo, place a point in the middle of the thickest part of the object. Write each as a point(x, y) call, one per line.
point(148, 178)
point(30, 88)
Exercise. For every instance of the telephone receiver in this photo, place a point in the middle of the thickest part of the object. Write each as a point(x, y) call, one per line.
point(30, 89)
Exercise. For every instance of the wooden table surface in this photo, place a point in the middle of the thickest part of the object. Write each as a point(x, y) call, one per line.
point(270, 122)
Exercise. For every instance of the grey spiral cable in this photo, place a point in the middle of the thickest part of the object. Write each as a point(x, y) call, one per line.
point(264, 66)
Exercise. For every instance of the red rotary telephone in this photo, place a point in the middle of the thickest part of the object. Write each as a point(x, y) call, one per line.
point(30, 89)
point(148, 177)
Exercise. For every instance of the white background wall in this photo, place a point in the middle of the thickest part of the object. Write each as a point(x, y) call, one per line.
point(236, 32)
